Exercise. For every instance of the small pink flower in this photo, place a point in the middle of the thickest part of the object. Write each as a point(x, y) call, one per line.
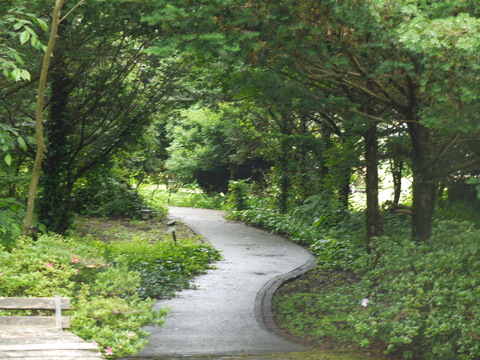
point(365, 302)
point(108, 351)
point(49, 264)
point(75, 260)
point(94, 342)
point(1, 274)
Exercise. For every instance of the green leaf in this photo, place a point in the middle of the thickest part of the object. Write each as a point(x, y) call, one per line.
point(8, 159)
point(25, 75)
point(36, 43)
point(42, 24)
point(18, 26)
point(30, 31)
point(24, 36)
point(16, 74)
point(22, 143)
point(18, 59)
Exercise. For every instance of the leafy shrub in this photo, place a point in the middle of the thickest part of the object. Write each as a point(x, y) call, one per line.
point(164, 266)
point(419, 301)
point(238, 195)
point(317, 314)
point(11, 216)
point(321, 211)
point(459, 212)
point(114, 322)
point(104, 194)
point(105, 306)
point(424, 297)
point(338, 251)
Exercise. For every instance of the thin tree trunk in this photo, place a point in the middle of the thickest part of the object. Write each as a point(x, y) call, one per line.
point(38, 118)
point(284, 178)
point(374, 220)
point(344, 187)
point(396, 166)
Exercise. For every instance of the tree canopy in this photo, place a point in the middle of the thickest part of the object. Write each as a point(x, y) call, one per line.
point(318, 84)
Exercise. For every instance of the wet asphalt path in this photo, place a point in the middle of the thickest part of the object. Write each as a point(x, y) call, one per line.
point(228, 312)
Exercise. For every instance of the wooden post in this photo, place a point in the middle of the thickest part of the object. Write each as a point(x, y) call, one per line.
point(58, 311)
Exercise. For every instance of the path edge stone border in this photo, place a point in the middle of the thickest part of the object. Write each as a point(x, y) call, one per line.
point(263, 300)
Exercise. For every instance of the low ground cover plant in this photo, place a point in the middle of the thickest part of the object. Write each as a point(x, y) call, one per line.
point(165, 266)
point(406, 299)
point(111, 283)
point(106, 308)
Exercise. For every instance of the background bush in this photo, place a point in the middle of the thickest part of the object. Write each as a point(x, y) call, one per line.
point(106, 194)
point(188, 196)
point(12, 213)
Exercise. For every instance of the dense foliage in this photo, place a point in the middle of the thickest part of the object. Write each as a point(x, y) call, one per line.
point(408, 299)
point(111, 286)
point(98, 291)
point(414, 301)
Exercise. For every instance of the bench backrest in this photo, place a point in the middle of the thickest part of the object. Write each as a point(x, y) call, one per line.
point(56, 304)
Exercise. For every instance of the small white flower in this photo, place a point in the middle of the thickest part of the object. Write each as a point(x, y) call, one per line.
point(365, 302)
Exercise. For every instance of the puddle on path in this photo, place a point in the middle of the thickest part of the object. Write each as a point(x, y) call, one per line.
point(314, 355)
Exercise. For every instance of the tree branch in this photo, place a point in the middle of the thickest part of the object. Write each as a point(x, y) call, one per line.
point(79, 3)
point(451, 170)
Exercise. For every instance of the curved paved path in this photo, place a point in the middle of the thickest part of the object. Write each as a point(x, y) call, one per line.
point(228, 313)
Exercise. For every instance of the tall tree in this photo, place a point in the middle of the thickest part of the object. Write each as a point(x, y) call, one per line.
point(389, 55)
point(103, 88)
point(39, 117)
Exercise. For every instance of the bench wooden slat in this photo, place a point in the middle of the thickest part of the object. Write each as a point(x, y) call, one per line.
point(47, 346)
point(33, 322)
point(51, 357)
point(19, 303)
point(49, 354)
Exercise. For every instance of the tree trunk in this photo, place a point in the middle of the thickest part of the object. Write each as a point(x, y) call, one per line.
point(423, 186)
point(423, 206)
point(57, 184)
point(284, 177)
point(38, 118)
point(396, 166)
point(344, 186)
point(323, 169)
point(374, 219)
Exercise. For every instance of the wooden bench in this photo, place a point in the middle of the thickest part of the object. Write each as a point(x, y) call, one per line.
point(56, 304)
point(41, 337)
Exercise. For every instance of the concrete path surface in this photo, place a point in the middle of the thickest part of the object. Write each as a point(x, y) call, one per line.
point(228, 312)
